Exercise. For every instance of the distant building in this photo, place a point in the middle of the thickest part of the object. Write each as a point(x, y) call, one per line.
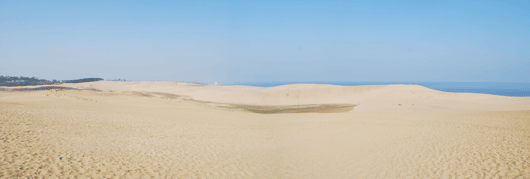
point(19, 81)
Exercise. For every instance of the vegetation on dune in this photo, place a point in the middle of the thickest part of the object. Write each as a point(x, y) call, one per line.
point(83, 80)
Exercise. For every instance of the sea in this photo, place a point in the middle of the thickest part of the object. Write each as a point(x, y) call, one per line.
point(494, 88)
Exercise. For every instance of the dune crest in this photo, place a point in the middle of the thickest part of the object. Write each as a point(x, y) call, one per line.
point(369, 98)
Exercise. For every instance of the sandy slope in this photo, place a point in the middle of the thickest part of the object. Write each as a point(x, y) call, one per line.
point(396, 131)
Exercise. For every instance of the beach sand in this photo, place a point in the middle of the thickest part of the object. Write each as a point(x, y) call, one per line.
point(181, 130)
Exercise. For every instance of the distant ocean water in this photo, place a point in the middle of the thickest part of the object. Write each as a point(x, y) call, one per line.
point(495, 88)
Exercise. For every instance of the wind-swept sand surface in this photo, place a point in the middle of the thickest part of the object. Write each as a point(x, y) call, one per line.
point(180, 130)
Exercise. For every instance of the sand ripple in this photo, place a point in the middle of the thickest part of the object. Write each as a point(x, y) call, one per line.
point(90, 134)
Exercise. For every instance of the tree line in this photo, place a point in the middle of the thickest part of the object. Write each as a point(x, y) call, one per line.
point(12, 81)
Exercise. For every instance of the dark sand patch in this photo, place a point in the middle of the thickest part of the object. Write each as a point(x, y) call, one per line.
point(278, 109)
point(261, 109)
point(142, 94)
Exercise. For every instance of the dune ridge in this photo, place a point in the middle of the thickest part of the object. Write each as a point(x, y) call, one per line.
point(372, 97)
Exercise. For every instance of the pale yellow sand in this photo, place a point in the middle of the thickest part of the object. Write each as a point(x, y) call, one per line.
point(140, 130)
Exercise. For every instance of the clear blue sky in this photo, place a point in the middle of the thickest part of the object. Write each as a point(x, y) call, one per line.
point(250, 41)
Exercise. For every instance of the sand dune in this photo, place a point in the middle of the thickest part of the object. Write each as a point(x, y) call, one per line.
point(372, 97)
point(182, 130)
